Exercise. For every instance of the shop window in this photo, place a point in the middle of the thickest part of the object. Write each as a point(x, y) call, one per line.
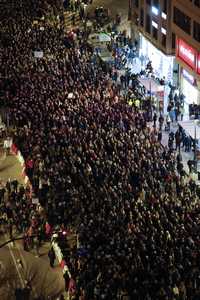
point(164, 40)
point(148, 2)
point(196, 31)
point(155, 32)
point(173, 40)
point(182, 20)
point(148, 23)
point(142, 17)
point(165, 6)
point(197, 3)
point(156, 3)
point(137, 3)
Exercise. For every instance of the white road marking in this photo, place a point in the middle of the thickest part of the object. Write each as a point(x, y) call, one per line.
point(24, 265)
point(16, 266)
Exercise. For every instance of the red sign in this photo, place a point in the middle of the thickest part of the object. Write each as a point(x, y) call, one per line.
point(186, 53)
point(198, 64)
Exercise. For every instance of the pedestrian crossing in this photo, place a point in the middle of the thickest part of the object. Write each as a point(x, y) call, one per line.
point(71, 19)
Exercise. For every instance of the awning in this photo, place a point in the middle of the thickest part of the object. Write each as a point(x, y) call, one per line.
point(98, 38)
point(151, 85)
point(189, 127)
point(104, 37)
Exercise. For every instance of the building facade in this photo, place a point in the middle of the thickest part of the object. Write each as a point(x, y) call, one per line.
point(151, 22)
point(185, 24)
point(168, 33)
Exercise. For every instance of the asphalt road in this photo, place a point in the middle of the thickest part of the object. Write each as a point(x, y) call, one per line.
point(18, 267)
point(115, 7)
point(10, 168)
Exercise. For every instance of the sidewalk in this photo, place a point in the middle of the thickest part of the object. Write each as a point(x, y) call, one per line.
point(185, 155)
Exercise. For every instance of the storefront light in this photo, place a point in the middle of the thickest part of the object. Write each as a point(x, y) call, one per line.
point(164, 16)
point(162, 64)
point(154, 10)
point(188, 76)
point(154, 24)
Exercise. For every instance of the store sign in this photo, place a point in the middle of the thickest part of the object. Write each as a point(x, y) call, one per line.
point(189, 77)
point(186, 53)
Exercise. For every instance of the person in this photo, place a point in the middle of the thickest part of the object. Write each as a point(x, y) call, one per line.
point(168, 121)
point(161, 121)
point(182, 111)
point(7, 145)
point(135, 214)
point(159, 136)
point(178, 139)
point(10, 225)
point(190, 164)
point(171, 141)
point(26, 242)
point(154, 119)
point(73, 19)
point(52, 257)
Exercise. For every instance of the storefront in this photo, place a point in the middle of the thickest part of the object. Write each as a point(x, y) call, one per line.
point(189, 89)
point(161, 63)
point(189, 68)
point(162, 68)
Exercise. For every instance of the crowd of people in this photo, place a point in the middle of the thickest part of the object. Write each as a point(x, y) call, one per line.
point(20, 214)
point(95, 164)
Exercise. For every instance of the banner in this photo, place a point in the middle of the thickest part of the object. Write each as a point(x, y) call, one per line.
point(38, 54)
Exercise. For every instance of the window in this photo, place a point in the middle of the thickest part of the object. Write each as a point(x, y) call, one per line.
point(196, 31)
point(165, 6)
point(164, 40)
point(164, 16)
point(155, 33)
point(154, 29)
point(137, 3)
point(142, 17)
point(181, 20)
point(148, 24)
point(163, 30)
point(154, 24)
point(154, 10)
point(197, 3)
point(173, 40)
point(156, 3)
point(148, 2)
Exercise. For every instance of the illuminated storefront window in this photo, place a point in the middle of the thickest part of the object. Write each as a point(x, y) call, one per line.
point(162, 64)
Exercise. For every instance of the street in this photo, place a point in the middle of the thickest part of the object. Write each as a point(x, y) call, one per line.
point(19, 269)
point(115, 7)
